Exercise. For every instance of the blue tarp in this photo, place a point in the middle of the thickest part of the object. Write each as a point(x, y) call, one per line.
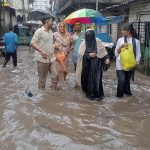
point(115, 19)
point(108, 20)
point(99, 20)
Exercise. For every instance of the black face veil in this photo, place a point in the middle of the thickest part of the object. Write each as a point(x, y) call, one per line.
point(91, 76)
point(90, 42)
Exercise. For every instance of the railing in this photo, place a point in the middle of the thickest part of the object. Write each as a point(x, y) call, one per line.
point(143, 33)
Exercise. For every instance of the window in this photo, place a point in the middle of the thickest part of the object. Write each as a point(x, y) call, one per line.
point(144, 17)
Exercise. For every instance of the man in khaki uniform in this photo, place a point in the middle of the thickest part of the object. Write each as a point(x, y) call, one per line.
point(42, 42)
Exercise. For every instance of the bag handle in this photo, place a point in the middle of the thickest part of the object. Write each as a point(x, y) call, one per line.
point(134, 51)
point(133, 43)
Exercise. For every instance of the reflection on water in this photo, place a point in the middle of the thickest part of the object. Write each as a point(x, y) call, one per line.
point(66, 119)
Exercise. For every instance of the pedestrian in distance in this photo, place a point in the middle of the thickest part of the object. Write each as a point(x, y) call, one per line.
point(124, 76)
point(42, 42)
point(11, 43)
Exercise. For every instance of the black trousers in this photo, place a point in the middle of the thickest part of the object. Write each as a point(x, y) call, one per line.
point(7, 58)
point(123, 83)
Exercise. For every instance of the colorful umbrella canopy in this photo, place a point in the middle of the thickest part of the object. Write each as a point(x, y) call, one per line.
point(85, 16)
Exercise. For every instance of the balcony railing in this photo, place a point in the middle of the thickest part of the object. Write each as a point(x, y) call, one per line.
point(64, 4)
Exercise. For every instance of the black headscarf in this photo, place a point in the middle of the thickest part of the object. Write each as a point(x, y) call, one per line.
point(90, 42)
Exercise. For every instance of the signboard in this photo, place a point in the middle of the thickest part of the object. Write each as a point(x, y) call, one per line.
point(7, 3)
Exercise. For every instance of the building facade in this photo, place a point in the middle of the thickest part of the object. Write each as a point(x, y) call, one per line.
point(65, 7)
point(22, 9)
point(40, 5)
point(7, 15)
point(140, 11)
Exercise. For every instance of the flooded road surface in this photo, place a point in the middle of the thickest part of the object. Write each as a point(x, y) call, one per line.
point(66, 120)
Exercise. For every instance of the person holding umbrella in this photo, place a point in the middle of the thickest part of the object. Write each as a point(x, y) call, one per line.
point(78, 37)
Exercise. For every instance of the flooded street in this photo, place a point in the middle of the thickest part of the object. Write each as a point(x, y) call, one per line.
point(66, 120)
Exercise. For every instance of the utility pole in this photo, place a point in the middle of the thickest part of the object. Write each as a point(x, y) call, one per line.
point(3, 3)
point(28, 4)
point(27, 9)
point(0, 14)
point(96, 5)
point(23, 10)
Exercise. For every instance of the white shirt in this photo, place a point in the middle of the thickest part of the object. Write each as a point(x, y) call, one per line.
point(44, 39)
point(119, 43)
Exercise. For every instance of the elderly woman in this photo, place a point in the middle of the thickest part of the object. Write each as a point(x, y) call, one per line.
point(63, 47)
point(92, 59)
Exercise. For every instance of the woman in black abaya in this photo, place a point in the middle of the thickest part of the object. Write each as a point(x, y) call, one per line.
point(94, 59)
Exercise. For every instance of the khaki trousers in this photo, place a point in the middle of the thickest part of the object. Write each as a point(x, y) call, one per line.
point(43, 69)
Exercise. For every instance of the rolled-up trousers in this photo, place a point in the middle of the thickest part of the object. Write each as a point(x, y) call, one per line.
point(43, 69)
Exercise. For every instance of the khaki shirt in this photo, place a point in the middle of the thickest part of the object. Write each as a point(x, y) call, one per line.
point(44, 39)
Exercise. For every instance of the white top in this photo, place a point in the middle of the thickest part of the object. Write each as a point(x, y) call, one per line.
point(44, 39)
point(119, 43)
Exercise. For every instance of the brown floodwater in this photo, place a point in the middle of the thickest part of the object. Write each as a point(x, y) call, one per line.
point(66, 120)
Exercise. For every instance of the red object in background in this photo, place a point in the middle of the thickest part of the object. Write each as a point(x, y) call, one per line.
point(2, 45)
point(1, 41)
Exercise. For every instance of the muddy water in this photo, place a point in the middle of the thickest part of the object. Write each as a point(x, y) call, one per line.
point(66, 120)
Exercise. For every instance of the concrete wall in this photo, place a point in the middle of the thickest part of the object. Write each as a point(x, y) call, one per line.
point(114, 28)
point(41, 5)
point(140, 11)
point(8, 20)
point(17, 4)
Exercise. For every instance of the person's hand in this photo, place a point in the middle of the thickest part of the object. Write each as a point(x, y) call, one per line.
point(44, 55)
point(71, 40)
point(107, 61)
point(125, 45)
point(64, 69)
point(66, 53)
point(137, 62)
point(92, 55)
point(56, 46)
point(122, 46)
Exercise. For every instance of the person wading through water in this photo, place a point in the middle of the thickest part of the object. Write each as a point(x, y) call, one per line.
point(125, 76)
point(42, 42)
point(92, 61)
point(63, 46)
point(11, 43)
